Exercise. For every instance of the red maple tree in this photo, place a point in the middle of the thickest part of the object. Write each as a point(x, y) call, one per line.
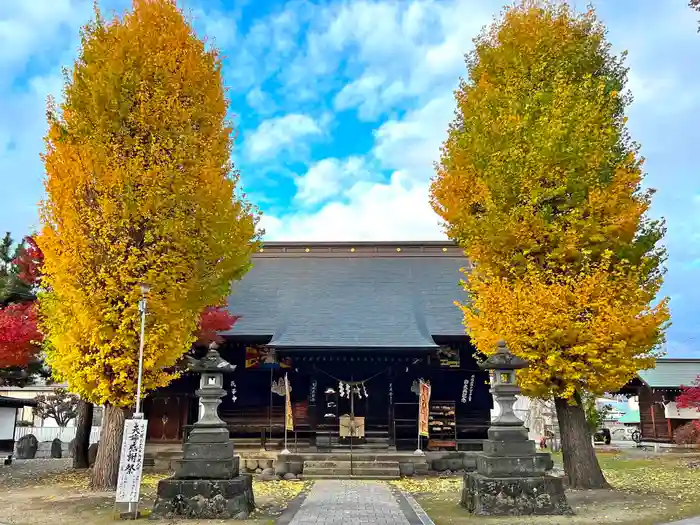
point(20, 339)
point(214, 319)
point(29, 261)
point(690, 398)
point(690, 395)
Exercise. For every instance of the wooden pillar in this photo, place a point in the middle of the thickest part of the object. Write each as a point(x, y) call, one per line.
point(390, 394)
point(653, 419)
point(184, 413)
point(313, 401)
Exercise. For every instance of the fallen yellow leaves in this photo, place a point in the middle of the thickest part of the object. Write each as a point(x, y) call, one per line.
point(280, 491)
point(272, 497)
point(275, 492)
point(151, 480)
point(75, 479)
point(428, 485)
point(670, 477)
point(80, 479)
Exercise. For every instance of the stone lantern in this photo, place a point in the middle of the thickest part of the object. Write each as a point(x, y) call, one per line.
point(207, 483)
point(211, 369)
point(510, 477)
point(504, 386)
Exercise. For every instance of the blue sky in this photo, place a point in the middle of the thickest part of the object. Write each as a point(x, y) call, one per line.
point(341, 107)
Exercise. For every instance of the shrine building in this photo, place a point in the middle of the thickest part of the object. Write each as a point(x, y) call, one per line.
point(371, 317)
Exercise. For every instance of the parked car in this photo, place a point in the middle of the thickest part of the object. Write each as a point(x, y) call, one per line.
point(602, 435)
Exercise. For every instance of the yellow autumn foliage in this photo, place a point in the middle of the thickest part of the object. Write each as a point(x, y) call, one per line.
point(541, 185)
point(140, 189)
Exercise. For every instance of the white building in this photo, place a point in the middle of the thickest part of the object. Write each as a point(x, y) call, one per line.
point(26, 414)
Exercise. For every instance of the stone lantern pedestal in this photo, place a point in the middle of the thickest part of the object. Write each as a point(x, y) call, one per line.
point(510, 477)
point(207, 483)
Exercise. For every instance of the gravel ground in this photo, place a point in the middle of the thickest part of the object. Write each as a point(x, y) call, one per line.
point(50, 492)
point(27, 471)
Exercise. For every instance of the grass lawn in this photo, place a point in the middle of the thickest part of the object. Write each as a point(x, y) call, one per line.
point(63, 498)
point(648, 490)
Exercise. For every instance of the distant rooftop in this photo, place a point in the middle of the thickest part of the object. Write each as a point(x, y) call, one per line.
point(14, 402)
point(629, 418)
point(671, 373)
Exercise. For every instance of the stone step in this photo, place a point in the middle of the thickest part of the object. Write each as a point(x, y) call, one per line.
point(169, 454)
point(355, 471)
point(356, 456)
point(370, 445)
point(344, 476)
point(335, 430)
point(356, 468)
point(354, 463)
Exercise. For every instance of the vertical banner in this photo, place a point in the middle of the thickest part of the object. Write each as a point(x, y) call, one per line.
point(131, 461)
point(424, 409)
point(288, 416)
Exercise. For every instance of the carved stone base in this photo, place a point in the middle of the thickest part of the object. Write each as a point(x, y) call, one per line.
point(208, 454)
point(540, 495)
point(204, 499)
point(206, 468)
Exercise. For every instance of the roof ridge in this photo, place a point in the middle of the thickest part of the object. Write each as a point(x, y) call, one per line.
point(445, 242)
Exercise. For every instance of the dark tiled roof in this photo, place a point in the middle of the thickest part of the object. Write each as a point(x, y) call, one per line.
point(14, 402)
point(360, 300)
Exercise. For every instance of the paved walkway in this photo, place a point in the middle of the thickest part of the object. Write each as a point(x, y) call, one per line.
point(355, 502)
point(343, 502)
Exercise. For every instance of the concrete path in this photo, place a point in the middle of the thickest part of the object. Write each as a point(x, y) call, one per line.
point(343, 502)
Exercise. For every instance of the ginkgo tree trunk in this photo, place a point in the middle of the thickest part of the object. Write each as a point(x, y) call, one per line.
point(140, 190)
point(541, 185)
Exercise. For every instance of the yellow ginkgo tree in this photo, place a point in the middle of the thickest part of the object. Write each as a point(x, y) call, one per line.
point(541, 185)
point(140, 190)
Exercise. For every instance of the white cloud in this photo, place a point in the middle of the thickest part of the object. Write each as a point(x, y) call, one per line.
point(219, 28)
point(280, 134)
point(259, 101)
point(328, 177)
point(29, 28)
point(651, 90)
point(392, 211)
point(43, 34)
point(402, 54)
point(400, 51)
point(268, 46)
point(385, 52)
point(401, 59)
point(367, 210)
point(357, 94)
point(413, 143)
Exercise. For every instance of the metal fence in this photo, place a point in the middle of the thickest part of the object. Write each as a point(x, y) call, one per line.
point(65, 434)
